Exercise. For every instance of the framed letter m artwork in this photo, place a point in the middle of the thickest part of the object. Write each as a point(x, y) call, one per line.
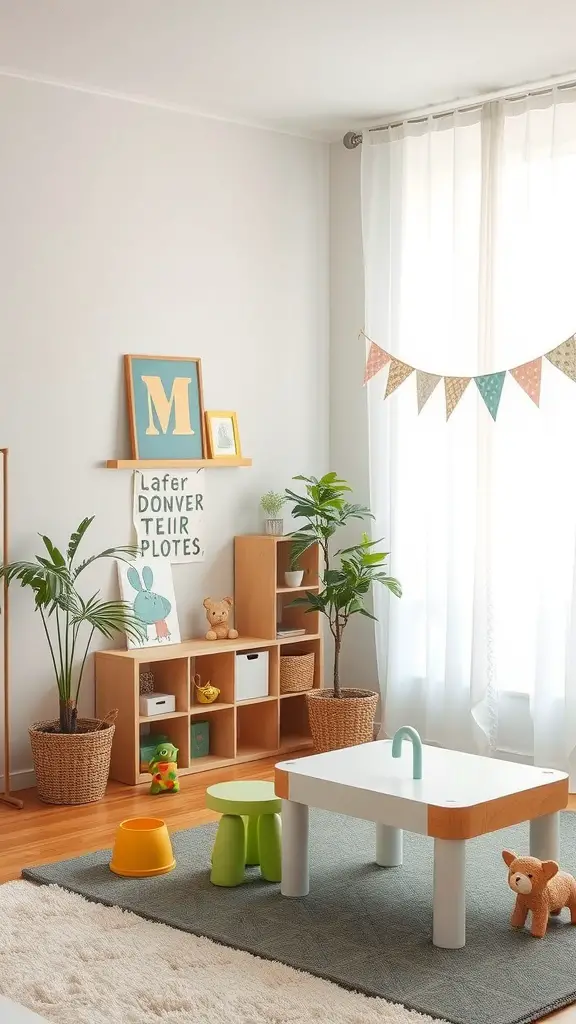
point(165, 407)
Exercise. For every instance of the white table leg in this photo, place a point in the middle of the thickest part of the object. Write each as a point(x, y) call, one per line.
point(388, 846)
point(295, 870)
point(449, 920)
point(545, 837)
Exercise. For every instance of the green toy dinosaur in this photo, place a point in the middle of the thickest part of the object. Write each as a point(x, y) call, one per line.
point(163, 767)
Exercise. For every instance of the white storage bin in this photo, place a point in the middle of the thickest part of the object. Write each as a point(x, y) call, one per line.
point(251, 679)
point(157, 703)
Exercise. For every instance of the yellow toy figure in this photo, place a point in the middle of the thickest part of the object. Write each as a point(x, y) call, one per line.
point(163, 767)
point(205, 694)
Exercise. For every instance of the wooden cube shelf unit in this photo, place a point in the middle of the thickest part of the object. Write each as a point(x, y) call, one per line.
point(239, 730)
point(261, 596)
point(294, 725)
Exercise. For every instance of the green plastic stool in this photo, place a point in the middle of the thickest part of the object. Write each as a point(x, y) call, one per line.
point(248, 833)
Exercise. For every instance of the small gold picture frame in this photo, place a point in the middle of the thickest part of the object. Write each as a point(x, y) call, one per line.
point(222, 435)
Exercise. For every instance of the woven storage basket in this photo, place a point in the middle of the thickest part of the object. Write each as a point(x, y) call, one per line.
point(72, 768)
point(296, 673)
point(341, 722)
point(146, 682)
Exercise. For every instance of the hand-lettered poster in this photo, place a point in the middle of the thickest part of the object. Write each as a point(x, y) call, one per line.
point(169, 514)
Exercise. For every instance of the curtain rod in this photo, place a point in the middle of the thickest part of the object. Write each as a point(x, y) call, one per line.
point(352, 139)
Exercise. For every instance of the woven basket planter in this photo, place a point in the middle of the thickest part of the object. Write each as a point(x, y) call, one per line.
point(296, 673)
point(341, 722)
point(72, 768)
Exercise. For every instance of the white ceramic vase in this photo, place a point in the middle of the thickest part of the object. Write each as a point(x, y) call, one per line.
point(274, 527)
point(294, 578)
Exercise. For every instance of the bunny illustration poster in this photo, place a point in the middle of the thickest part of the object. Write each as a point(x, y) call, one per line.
point(148, 586)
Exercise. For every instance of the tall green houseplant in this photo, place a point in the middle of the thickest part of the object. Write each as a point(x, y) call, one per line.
point(347, 574)
point(69, 620)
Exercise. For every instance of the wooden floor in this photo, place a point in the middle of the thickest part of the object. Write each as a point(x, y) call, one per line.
point(40, 833)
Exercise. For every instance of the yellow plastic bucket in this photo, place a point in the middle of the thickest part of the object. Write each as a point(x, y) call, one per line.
point(142, 848)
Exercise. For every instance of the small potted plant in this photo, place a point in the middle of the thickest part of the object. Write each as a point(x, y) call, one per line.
point(72, 755)
point(294, 575)
point(272, 503)
point(339, 717)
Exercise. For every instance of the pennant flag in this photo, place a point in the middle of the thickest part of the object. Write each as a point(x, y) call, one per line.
point(490, 387)
point(397, 374)
point(564, 357)
point(377, 358)
point(528, 376)
point(454, 388)
point(425, 384)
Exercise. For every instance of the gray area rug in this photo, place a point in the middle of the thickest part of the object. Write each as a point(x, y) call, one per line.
point(362, 926)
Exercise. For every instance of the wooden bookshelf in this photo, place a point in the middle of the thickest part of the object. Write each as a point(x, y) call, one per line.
point(240, 731)
point(261, 597)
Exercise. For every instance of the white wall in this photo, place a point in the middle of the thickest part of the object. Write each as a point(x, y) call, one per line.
point(348, 415)
point(126, 228)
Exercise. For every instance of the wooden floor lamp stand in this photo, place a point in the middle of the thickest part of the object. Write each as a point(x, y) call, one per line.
point(6, 797)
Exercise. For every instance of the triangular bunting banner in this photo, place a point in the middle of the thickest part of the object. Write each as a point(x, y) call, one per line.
point(397, 374)
point(425, 384)
point(529, 376)
point(377, 358)
point(564, 357)
point(454, 388)
point(490, 387)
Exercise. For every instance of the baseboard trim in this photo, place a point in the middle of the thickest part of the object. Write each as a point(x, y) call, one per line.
point(24, 779)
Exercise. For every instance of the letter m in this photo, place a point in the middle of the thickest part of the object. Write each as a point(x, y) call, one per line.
point(161, 405)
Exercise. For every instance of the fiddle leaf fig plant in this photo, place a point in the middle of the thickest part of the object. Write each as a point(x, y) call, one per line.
point(69, 620)
point(347, 574)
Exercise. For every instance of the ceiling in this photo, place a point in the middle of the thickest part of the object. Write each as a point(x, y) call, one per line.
point(312, 67)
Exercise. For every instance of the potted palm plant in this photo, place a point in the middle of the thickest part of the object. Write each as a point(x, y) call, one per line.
point(339, 717)
point(71, 755)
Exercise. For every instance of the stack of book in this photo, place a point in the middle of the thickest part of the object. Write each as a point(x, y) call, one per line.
point(283, 631)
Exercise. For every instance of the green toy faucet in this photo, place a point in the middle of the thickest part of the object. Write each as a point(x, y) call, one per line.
point(406, 732)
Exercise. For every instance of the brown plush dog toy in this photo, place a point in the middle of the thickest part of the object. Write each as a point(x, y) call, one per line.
point(541, 888)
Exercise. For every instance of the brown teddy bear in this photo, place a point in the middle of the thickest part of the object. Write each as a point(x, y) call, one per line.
point(217, 613)
point(541, 888)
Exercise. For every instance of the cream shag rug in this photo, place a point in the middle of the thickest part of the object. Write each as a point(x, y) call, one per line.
point(75, 962)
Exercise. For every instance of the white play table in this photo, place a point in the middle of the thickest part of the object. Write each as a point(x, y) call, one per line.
point(459, 797)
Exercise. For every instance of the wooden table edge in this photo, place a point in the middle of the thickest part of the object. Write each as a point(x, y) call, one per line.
point(477, 819)
point(281, 783)
point(502, 812)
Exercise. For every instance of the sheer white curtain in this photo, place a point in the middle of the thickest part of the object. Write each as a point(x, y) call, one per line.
point(469, 225)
